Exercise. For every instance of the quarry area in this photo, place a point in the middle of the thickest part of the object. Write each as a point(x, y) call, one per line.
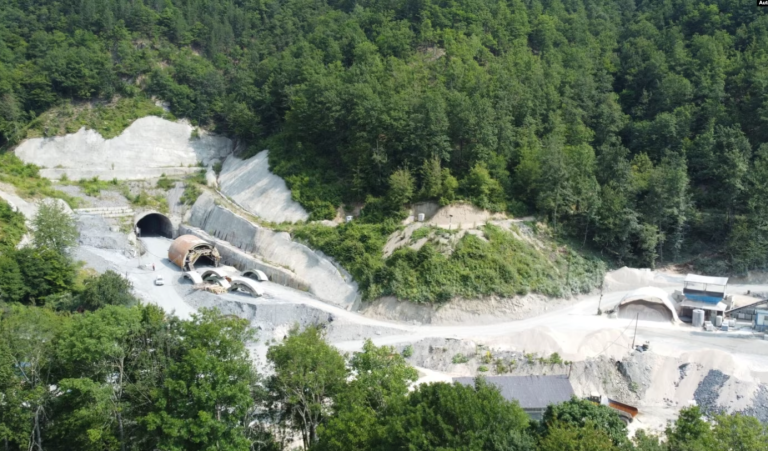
point(231, 258)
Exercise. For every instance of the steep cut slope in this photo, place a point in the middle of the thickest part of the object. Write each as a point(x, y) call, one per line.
point(148, 148)
point(325, 280)
point(257, 190)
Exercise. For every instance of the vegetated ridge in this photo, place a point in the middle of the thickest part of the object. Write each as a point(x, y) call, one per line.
point(633, 126)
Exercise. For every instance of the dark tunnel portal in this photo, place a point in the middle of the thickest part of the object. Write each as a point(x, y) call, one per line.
point(155, 224)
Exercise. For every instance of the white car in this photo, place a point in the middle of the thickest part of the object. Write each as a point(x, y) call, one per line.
point(159, 280)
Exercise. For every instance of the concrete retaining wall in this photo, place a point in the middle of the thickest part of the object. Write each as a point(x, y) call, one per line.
point(325, 280)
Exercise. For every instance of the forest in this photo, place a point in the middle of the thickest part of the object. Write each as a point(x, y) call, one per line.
point(635, 127)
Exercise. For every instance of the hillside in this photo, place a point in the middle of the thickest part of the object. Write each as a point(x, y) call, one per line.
point(634, 126)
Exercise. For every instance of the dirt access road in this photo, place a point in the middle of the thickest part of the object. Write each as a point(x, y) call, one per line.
point(566, 328)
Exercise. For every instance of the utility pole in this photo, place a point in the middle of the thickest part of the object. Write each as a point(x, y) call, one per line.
point(637, 320)
point(600, 302)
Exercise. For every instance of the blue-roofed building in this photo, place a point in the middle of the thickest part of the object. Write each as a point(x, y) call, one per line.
point(704, 293)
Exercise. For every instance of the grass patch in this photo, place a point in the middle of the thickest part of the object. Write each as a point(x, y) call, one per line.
point(165, 183)
point(28, 182)
point(108, 119)
point(420, 233)
point(144, 199)
point(93, 186)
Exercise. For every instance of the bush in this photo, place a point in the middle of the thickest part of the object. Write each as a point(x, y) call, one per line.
point(459, 359)
point(190, 194)
point(165, 183)
point(408, 351)
point(482, 369)
point(109, 288)
point(12, 226)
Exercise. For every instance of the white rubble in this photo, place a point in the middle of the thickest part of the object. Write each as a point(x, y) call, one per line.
point(148, 148)
point(258, 191)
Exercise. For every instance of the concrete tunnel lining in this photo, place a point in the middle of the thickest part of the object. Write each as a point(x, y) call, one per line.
point(154, 224)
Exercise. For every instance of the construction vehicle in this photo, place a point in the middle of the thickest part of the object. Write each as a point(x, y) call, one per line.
point(626, 412)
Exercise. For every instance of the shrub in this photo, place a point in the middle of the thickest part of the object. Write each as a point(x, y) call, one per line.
point(165, 183)
point(555, 359)
point(482, 369)
point(459, 359)
point(190, 194)
point(408, 351)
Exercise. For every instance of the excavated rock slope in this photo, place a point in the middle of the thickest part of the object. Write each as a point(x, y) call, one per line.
point(148, 148)
point(258, 191)
point(325, 280)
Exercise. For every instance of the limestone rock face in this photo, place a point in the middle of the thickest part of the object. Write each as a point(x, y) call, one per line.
point(325, 280)
point(258, 191)
point(146, 149)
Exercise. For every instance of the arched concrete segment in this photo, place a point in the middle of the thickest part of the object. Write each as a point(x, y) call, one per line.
point(152, 223)
point(193, 276)
point(255, 274)
point(217, 272)
point(247, 285)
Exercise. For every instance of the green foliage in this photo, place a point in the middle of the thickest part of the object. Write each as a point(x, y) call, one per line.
point(382, 378)
point(27, 181)
point(107, 118)
point(109, 288)
point(190, 194)
point(502, 265)
point(144, 199)
point(126, 378)
point(459, 359)
point(583, 415)
point(308, 374)
point(585, 115)
point(217, 168)
point(164, 183)
point(408, 351)
point(12, 226)
point(482, 369)
point(568, 437)
point(443, 416)
point(555, 359)
point(94, 186)
point(54, 228)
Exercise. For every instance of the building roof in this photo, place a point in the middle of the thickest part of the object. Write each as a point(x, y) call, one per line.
point(532, 392)
point(690, 303)
point(695, 278)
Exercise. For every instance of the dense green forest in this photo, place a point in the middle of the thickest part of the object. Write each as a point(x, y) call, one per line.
point(635, 126)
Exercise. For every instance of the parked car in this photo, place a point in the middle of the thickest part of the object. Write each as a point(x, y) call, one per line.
point(159, 281)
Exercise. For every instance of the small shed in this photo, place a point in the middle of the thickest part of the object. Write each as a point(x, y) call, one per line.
point(761, 320)
point(704, 288)
point(533, 393)
point(705, 293)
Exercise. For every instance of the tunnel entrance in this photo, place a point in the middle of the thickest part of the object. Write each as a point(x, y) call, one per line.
point(155, 224)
